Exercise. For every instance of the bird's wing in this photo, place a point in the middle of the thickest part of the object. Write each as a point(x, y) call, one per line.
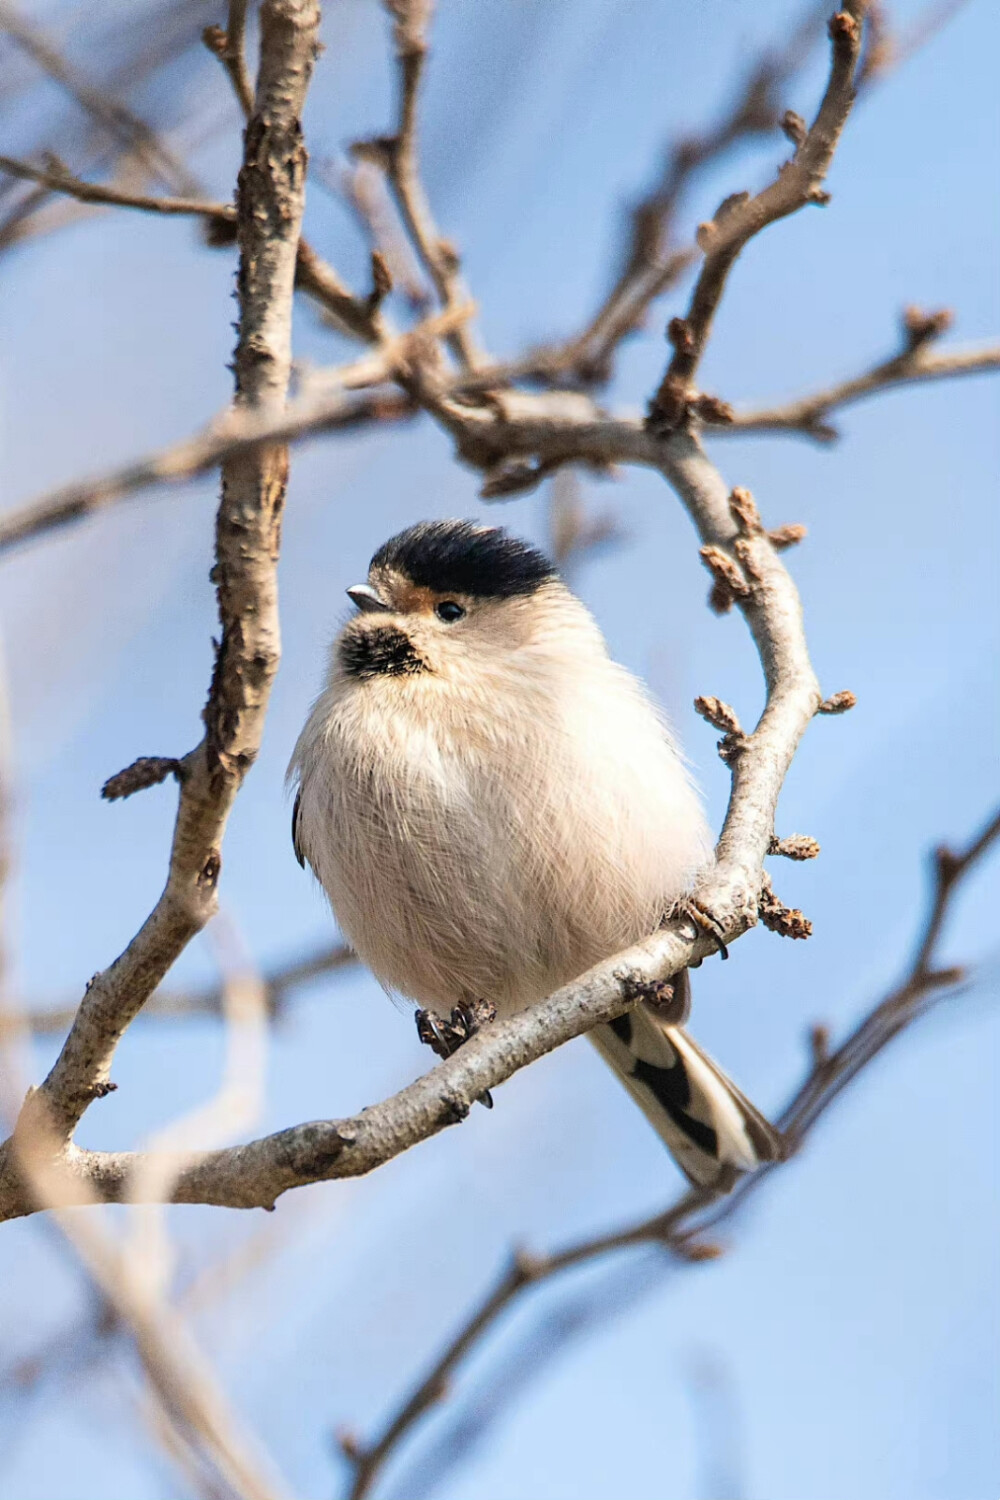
point(296, 845)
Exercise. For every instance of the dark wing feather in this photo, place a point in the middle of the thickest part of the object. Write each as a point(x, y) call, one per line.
point(295, 831)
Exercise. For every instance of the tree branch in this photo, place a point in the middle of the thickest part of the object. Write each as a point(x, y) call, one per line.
point(581, 433)
point(398, 154)
point(58, 179)
point(515, 437)
point(651, 264)
point(114, 117)
point(269, 206)
point(740, 217)
point(256, 1174)
point(355, 316)
point(325, 407)
point(280, 983)
point(915, 363)
point(229, 47)
point(680, 1228)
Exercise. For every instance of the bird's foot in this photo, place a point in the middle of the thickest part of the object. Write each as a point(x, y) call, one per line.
point(668, 997)
point(444, 1037)
point(705, 921)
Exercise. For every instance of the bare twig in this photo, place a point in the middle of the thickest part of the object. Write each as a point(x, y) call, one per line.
point(582, 434)
point(652, 262)
point(229, 46)
point(58, 179)
point(119, 122)
point(916, 363)
point(353, 315)
point(222, 441)
point(128, 1275)
point(327, 406)
point(399, 154)
point(231, 1112)
point(741, 217)
point(280, 983)
point(269, 202)
point(192, 1403)
point(363, 185)
point(680, 1229)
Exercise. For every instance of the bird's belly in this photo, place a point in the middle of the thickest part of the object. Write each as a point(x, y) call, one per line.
point(496, 858)
point(432, 881)
point(426, 896)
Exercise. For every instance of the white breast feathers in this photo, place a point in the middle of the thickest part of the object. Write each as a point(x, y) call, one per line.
point(493, 826)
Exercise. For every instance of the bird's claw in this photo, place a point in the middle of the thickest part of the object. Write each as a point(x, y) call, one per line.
point(444, 1037)
point(706, 922)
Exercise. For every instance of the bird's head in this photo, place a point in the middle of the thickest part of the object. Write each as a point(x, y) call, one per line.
point(443, 594)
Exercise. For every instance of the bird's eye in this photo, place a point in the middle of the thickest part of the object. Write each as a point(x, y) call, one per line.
point(449, 611)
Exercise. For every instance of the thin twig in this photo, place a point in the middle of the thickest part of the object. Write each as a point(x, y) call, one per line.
point(325, 407)
point(229, 47)
point(129, 1275)
point(117, 120)
point(916, 363)
point(741, 216)
point(399, 153)
point(652, 263)
point(58, 179)
point(353, 315)
point(280, 983)
point(680, 1228)
point(581, 434)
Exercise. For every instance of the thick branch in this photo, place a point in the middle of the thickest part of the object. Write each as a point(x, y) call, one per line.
point(741, 217)
point(269, 206)
point(254, 1175)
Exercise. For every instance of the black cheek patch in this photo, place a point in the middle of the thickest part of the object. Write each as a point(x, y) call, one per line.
point(671, 1089)
point(385, 651)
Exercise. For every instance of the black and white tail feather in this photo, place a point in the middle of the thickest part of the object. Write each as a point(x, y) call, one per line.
point(712, 1130)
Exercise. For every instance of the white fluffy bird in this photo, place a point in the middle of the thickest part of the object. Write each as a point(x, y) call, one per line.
point(493, 805)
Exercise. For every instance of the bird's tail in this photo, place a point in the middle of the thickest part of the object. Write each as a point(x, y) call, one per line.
point(713, 1132)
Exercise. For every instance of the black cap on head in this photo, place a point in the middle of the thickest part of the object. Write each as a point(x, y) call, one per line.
point(458, 557)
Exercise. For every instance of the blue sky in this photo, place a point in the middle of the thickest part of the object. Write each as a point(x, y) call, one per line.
point(855, 1319)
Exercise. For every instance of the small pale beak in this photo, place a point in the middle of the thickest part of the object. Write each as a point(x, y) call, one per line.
point(365, 597)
